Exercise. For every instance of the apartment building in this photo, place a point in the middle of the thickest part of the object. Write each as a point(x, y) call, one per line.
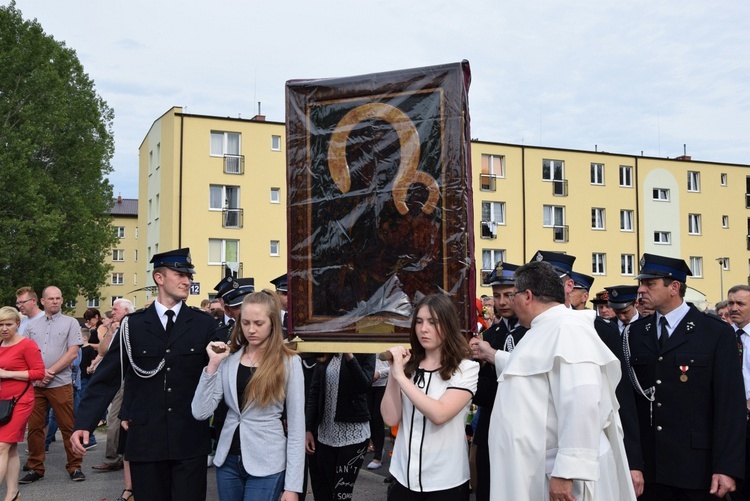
point(218, 186)
point(126, 279)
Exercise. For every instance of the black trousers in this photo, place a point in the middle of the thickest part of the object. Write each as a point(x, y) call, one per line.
point(377, 428)
point(397, 492)
point(660, 492)
point(482, 492)
point(174, 480)
point(339, 468)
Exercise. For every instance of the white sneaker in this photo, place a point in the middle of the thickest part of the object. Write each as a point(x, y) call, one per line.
point(374, 464)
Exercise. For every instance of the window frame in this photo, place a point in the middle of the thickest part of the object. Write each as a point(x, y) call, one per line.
point(553, 223)
point(597, 174)
point(120, 232)
point(626, 171)
point(598, 263)
point(277, 191)
point(277, 244)
point(224, 197)
point(693, 181)
point(118, 253)
point(274, 138)
point(117, 278)
point(667, 234)
point(493, 255)
point(223, 250)
point(693, 261)
point(225, 143)
point(657, 192)
point(627, 261)
point(694, 224)
point(552, 170)
point(598, 215)
point(631, 214)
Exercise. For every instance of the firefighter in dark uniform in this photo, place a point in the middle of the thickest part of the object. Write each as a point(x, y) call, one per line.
point(281, 290)
point(685, 369)
point(610, 336)
point(231, 292)
point(581, 287)
point(163, 350)
point(503, 335)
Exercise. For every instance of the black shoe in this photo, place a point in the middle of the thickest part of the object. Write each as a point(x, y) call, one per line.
point(77, 476)
point(26, 467)
point(30, 477)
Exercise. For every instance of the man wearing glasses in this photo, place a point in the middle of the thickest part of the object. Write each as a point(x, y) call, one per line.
point(555, 432)
point(27, 304)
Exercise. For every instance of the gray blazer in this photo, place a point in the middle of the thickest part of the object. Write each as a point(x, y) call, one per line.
point(265, 449)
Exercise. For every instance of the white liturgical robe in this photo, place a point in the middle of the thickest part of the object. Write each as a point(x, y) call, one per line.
point(555, 414)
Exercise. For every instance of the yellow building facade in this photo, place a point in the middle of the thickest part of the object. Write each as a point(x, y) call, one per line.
point(608, 209)
point(218, 186)
point(127, 278)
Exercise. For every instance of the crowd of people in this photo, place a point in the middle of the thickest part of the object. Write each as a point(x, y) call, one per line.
point(642, 397)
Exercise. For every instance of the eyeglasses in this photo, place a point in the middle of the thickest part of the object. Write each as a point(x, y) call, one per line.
point(21, 303)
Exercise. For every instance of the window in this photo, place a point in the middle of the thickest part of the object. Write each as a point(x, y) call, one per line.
point(156, 215)
point(493, 167)
point(92, 303)
point(626, 176)
point(597, 219)
point(276, 143)
point(696, 266)
point(694, 181)
point(118, 255)
point(135, 255)
point(225, 143)
point(114, 298)
point(598, 263)
point(493, 214)
point(135, 278)
point(223, 197)
point(553, 170)
point(490, 257)
point(275, 196)
point(694, 224)
point(626, 220)
point(136, 232)
point(723, 179)
point(554, 215)
point(661, 194)
point(662, 237)
point(120, 231)
point(627, 264)
point(223, 251)
point(118, 278)
point(597, 173)
point(274, 247)
point(725, 221)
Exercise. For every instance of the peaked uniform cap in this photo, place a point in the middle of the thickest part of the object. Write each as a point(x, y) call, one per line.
point(240, 287)
point(563, 263)
point(177, 260)
point(653, 266)
point(622, 296)
point(280, 283)
point(582, 281)
point(601, 297)
point(502, 274)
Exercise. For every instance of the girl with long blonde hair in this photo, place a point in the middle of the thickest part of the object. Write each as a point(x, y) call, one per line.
point(260, 380)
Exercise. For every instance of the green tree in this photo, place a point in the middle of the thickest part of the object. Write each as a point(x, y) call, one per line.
point(55, 149)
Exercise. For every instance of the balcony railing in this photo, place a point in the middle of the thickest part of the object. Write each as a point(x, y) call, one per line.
point(233, 269)
point(560, 188)
point(232, 218)
point(560, 233)
point(234, 164)
point(488, 182)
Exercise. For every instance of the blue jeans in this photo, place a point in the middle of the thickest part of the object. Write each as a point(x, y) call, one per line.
point(234, 483)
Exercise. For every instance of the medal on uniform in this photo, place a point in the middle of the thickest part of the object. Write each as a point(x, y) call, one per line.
point(684, 369)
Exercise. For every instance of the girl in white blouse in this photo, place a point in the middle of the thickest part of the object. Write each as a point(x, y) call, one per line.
point(428, 394)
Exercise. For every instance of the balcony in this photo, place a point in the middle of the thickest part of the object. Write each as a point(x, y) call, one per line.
point(232, 218)
point(233, 269)
point(560, 233)
point(234, 164)
point(560, 188)
point(489, 229)
point(488, 182)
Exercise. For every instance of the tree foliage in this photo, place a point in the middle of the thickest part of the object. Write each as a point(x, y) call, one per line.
point(56, 144)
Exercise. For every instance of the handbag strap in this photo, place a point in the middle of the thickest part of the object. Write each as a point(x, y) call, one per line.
point(28, 383)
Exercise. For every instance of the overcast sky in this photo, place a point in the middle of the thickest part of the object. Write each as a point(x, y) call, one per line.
point(628, 76)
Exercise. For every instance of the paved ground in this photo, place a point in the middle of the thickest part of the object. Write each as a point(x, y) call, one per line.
point(57, 486)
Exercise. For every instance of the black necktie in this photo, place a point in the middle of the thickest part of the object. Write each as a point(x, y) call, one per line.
point(739, 334)
point(230, 324)
point(663, 334)
point(170, 322)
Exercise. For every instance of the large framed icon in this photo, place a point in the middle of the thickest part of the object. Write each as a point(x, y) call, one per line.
point(379, 201)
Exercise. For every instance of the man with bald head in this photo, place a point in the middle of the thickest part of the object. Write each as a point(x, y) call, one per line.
point(58, 337)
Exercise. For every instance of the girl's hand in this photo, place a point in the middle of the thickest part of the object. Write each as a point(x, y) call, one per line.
point(289, 496)
point(217, 351)
point(400, 356)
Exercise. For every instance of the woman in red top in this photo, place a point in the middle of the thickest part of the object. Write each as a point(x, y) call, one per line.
point(20, 363)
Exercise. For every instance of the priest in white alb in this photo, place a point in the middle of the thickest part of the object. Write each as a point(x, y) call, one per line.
point(555, 432)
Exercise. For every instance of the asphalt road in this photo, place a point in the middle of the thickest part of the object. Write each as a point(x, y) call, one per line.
point(107, 486)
